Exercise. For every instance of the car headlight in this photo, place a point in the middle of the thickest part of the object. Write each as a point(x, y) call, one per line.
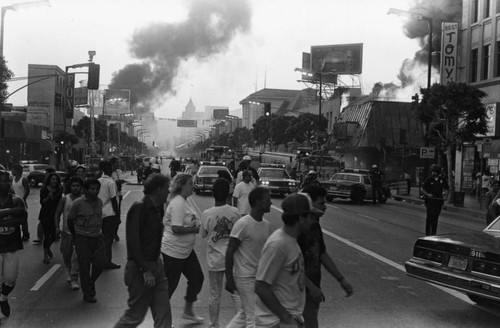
point(265, 183)
point(291, 184)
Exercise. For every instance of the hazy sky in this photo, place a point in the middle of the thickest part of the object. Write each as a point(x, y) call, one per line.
point(272, 44)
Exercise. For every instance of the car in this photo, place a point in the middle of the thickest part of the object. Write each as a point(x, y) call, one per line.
point(28, 168)
point(468, 262)
point(354, 184)
point(35, 178)
point(207, 174)
point(276, 179)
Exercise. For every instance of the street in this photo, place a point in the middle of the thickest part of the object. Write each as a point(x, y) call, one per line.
point(368, 243)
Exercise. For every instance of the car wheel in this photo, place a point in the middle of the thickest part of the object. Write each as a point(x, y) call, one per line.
point(329, 198)
point(33, 183)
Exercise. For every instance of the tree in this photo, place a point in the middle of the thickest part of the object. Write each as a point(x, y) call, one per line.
point(279, 126)
point(304, 127)
point(454, 114)
point(5, 75)
point(261, 130)
point(82, 129)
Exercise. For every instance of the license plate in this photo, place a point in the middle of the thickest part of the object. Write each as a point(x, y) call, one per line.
point(333, 188)
point(457, 263)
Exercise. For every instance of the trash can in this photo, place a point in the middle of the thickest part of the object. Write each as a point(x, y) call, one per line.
point(458, 200)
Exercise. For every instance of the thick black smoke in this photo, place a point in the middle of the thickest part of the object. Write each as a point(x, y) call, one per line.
point(440, 11)
point(161, 47)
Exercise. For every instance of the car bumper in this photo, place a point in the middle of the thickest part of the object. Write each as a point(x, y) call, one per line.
point(466, 283)
point(202, 187)
point(279, 189)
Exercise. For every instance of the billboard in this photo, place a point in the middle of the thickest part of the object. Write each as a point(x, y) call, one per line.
point(338, 58)
point(81, 96)
point(116, 102)
point(449, 46)
point(187, 123)
point(306, 66)
point(219, 114)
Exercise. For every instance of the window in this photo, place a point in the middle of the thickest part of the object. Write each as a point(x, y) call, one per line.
point(486, 62)
point(486, 8)
point(475, 11)
point(498, 6)
point(473, 65)
point(497, 69)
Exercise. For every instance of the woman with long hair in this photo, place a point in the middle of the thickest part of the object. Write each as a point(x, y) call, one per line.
point(50, 194)
point(179, 236)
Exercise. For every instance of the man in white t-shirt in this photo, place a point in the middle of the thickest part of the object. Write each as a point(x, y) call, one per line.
point(110, 211)
point(243, 252)
point(216, 225)
point(241, 192)
point(281, 281)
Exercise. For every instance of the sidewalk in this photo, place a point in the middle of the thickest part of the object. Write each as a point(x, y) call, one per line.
point(471, 205)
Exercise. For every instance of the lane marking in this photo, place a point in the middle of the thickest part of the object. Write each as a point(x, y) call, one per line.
point(400, 267)
point(368, 217)
point(45, 277)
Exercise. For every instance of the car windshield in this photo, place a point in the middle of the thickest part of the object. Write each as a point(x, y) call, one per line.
point(346, 177)
point(274, 173)
point(40, 167)
point(211, 169)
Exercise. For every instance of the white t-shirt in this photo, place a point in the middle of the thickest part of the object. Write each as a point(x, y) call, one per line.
point(282, 266)
point(252, 235)
point(241, 191)
point(178, 213)
point(107, 191)
point(216, 225)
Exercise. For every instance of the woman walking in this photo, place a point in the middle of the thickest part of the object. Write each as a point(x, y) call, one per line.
point(179, 235)
point(50, 194)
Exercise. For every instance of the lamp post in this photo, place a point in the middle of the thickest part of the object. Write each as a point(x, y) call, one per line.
point(419, 17)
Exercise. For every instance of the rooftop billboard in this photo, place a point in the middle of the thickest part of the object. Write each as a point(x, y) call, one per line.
point(339, 58)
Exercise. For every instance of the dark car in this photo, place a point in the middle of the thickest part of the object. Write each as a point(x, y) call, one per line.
point(354, 184)
point(467, 262)
point(276, 179)
point(37, 177)
point(206, 175)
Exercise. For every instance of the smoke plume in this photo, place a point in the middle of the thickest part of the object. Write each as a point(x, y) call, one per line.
point(162, 47)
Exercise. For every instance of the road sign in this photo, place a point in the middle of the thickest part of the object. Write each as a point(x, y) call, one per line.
point(427, 152)
point(187, 123)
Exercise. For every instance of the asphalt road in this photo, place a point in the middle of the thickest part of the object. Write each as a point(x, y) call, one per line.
point(369, 244)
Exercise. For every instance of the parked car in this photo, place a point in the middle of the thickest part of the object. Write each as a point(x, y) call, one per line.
point(354, 184)
point(207, 174)
point(468, 262)
point(28, 168)
point(35, 178)
point(276, 179)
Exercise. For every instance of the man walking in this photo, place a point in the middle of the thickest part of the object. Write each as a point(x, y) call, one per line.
point(21, 188)
point(241, 193)
point(110, 212)
point(85, 222)
point(280, 281)
point(315, 255)
point(216, 225)
point(242, 256)
point(13, 215)
point(434, 189)
point(144, 273)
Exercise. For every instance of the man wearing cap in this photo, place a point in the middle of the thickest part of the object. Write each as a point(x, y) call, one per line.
point(245, 165)
point(311, 180)
point(315, 255)
point(281, 281)
point(435, 190)
point(376, 177)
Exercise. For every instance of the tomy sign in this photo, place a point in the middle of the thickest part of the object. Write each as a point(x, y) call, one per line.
point(427, 152)
point(187, 123)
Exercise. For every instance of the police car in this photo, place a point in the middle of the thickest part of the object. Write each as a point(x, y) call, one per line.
point(276, 179)
point(207, 174)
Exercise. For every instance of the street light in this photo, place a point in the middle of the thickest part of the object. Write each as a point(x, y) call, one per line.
point(418, 17)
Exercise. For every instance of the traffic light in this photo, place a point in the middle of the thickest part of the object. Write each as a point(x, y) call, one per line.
point(267, 109)
point(415, 99)
point(93, 81)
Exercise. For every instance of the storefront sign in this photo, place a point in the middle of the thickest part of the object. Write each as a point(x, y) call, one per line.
point(491, 119)
point(449, 44)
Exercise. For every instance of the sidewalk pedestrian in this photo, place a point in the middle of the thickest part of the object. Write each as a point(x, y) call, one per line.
point(13, 214)
point(242, 256)
point(110, 212)
point(280, 281)
point(67, 246)
point(179, 236)
point(84, 223)
point(435, 191)
point(316, 255)
point(489, 197)
point(216, 225)
point(241, 192)
point(117, 176)
point(50, 194)
point(144, 273)
point(21, 188)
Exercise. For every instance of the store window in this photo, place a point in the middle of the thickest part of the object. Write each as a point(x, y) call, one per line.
point(487, 8)
point(473, 65)
point(475, 11)
point(486, 62)
point(497, 67)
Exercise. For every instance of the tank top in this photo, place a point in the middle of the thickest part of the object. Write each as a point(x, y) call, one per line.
point(10, 236)
point(18, 187)
point(67, 207)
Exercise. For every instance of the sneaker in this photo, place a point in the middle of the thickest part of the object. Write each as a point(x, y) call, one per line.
point(69, 280)
point(5, 308)
point(112, 266)
point(192, 317)
point(37, 241)
point(74, 285)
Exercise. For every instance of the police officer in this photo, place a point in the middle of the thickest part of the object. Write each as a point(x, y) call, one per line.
point(435, 189)
point(376, 177)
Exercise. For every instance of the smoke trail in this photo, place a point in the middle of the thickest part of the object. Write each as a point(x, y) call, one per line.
point(161, 47)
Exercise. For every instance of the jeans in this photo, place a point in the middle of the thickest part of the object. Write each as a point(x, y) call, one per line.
point(433, 210)
point(9, 267)
point(49, 232)
point(109, 229)
point(70, 259)
point(215, 279)
point(310, 313)
point(190, 268)
point(245, 317)
point(141, 298)
point(90, 253)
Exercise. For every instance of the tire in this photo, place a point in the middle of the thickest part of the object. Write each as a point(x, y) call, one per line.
point(329, 198)
point(33, 183)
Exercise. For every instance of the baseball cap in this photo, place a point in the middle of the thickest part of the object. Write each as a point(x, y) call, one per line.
point(312, 172)
point(247, 158)
point(374, 166)
point(299, 203)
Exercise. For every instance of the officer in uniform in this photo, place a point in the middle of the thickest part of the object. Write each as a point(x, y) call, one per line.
point(435, 190)
point(376, 177)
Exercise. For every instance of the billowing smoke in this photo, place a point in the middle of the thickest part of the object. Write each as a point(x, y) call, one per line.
point(162, 47)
